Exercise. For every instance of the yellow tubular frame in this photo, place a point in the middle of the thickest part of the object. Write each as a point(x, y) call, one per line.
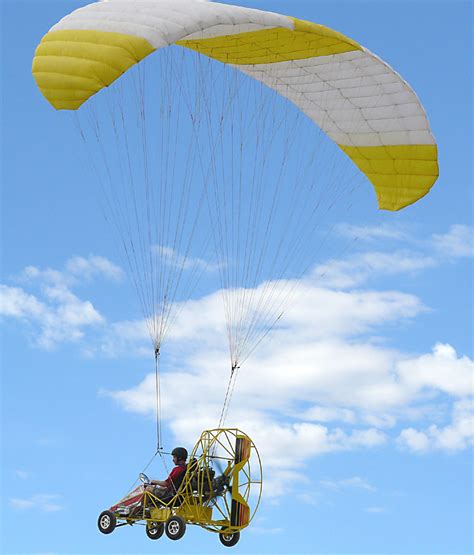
point(195, 501)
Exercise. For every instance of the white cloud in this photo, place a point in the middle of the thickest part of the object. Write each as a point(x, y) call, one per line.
point(17, 303)
point(355, 482)
point(318, 356)
point(457, 242)
point(329, 414)
point(414, 440)
point(290, 445)
point(362, 267)
point(281, 481)
point(308, 498)
point(22, 474)
point(52, 312)
point(441, 370)
point(375, 510)
point(326, 313)
point(87, 268)
point(265, 530)
point(140, 399)
point(21, 503)
point(123, 339)
point(456, 436)
point(60, 319)
point(314, 313)
point(353, 392)
point(47, 503)
point(373, 233)
point(173, 258)
point(77, 269)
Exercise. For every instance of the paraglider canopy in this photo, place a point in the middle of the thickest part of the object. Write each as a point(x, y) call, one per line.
point(357, 99)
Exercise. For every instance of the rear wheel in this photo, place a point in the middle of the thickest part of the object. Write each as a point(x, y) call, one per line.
point(154, 530)
point(175, 527)
point(229, 540)
point(107, 522)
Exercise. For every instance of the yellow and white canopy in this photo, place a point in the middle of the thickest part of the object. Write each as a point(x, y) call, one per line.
point(356, 98)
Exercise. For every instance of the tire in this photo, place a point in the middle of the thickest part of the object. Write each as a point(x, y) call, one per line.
point(229, 540)
point(154, 530)
point(175, 527)
point(107, 522)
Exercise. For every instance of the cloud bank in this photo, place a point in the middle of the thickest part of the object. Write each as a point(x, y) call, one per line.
point(325, 380)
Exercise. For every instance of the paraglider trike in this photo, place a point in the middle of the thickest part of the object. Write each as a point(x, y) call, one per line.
point(219, 503)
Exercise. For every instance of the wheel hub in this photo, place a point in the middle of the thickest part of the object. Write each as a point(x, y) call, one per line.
point(173, 528)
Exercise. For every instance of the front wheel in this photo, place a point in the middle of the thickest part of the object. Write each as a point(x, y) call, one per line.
point(229, 540)
point(175, 527)
point(106, 522)
point(154, 530)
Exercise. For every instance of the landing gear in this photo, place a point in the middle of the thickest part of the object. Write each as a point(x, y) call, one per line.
point(175, 527)
point(106, 522)
point(229, 540)
point(154, 530)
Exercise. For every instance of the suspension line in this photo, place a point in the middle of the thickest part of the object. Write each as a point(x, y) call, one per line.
point(228, 394)
point(159, 446)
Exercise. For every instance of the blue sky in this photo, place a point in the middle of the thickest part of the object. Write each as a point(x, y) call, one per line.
point(360, 402)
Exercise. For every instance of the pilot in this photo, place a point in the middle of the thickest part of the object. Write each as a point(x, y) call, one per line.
point(165, 489)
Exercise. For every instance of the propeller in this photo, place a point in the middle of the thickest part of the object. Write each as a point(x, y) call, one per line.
point(224, 471)
point(221, 482)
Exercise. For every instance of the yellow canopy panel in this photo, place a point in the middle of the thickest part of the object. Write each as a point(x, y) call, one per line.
point(357, 99)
